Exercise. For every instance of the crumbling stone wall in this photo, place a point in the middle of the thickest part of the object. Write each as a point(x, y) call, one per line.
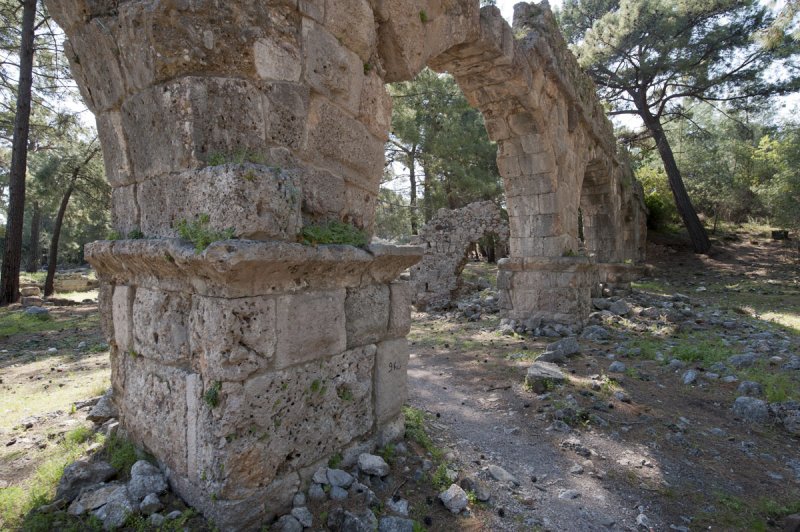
point(246, 365)
point(446, 239)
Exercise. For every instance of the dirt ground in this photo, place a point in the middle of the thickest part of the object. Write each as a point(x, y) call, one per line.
point(630, 451)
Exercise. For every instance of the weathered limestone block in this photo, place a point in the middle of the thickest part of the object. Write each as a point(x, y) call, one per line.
point(331, 69)
point(154, 414)
point(391, 366)
point(399, 315)
point(344, 144)
point(349, 21)
point(122, 311)
point(185, 123)
point(115, 148)
point(258, 202)
point(366, 314)
point(284, 420)
point(413, 31)
point(160, 329)
point(376, 106)
point(309, 326)
point(232, 338)
point(124, 209)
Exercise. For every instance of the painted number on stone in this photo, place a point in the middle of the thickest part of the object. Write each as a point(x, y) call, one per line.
point(395, 366)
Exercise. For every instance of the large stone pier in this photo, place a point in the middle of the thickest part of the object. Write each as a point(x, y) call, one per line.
point(245, 365)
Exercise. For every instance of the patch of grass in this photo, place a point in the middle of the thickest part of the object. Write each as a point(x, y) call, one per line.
point(78, 436)
point(200, 234)
point(648, 347)
point(778, 386)
point(423, 16)
point(333, 233)
point(16, 502)
point(704, 350)
point(18, 322)
point(734, 513)
point(388, 453)
point(439, 479)
point(121, 453)
point(335, 461)
point(135, 234)
point(651, 286)
point(415, 431)
point(211, 397)
point(236, 157)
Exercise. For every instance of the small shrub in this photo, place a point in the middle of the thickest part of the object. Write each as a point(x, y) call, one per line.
point(333, 233)
point(200, 234)
point(335, 461)
point(211, 397)
point(440, 480)
point(121, 453)
point(415, 431)
point(78, 436)
point(114, 235)
point(135, 234)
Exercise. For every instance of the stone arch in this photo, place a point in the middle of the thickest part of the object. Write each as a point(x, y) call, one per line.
point(445, 241)
point(265, 117)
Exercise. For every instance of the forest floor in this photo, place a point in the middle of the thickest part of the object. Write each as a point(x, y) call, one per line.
point(626, 450)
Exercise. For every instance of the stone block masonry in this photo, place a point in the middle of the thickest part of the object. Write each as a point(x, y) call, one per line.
point(246, 365)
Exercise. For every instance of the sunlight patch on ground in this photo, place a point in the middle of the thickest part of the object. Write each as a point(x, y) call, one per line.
point(47, 390)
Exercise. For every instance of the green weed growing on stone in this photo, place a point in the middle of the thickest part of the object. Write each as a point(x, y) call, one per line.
point(423, 16)
point(344, 393)
point(333, 233)
point(121, 453)
point(211, 397)
point(335, 461)
point(114, 235)
point(135, 234)
point(200, 234)
point(440, 479)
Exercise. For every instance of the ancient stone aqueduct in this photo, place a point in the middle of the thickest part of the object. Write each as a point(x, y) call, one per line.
point(245, 367)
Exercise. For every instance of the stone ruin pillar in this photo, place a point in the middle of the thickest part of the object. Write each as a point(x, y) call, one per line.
point(246, 365)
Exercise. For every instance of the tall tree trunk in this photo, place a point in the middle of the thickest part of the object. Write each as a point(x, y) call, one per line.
point(426, 189)
point(697, 232)
point(52, 257)
point(412, 178)
point(12, 254)
point(33, 243)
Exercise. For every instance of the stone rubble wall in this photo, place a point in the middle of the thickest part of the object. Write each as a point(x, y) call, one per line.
point(446, 239)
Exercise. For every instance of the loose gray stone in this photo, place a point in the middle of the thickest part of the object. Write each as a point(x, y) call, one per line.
point(595, 333)
point(501, 475)
point(568, 494)
point(742, 361)
point(303, 516)
point(676, 364)
point(316, 493)
point(751, 409)
point(174, 514)
point(118, 507)
point(477, 487)
point(157, 520)
point(287, 523)
point(338, 493)
point(339, 478)
point(299, 500)
point(620, 308)
point(617, 367)
point(566, 347)
point(373, 465)
point(395, 524)
point(103, 410)
point(92, 498)
point(398, 506)
point(363, 522)
point(150, 504)
point(750, 389)
point(145, 479)
point(81, 474)
point(690, 377)
point(454, 498)
point(37, 311)
point(541, 375)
